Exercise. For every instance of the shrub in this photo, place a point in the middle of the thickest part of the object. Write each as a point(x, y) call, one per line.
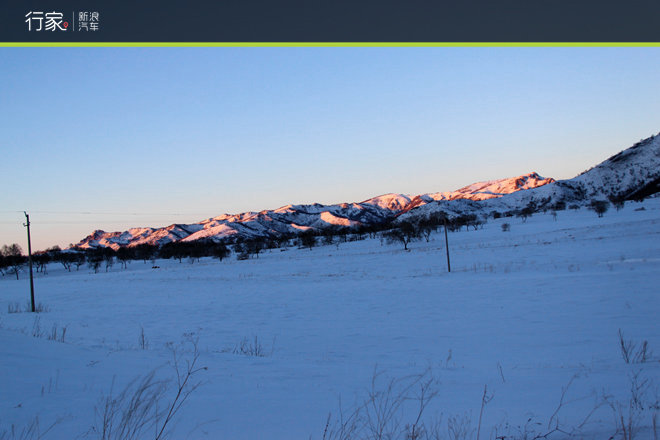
point(220, 251)
point(308, 240)
point(631, 352)
point(559, 206)
point(249, 347)
point(600, 207)
point(142, 409)
point(31, 431)
point(143, 343)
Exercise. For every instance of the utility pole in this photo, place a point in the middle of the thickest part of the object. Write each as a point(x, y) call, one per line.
point(27, 225)
point(447, 246)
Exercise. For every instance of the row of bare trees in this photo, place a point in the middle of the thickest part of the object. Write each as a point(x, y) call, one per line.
point(12, 259)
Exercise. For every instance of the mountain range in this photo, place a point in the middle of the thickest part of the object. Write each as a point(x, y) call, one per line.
point(631, 174)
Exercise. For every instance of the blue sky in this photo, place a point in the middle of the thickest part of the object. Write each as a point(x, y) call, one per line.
point(112, 138)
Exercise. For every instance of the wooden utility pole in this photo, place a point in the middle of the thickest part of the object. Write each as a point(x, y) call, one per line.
point(447, 246)
point(27, 225)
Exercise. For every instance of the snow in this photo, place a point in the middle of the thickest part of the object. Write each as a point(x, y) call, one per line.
point(335, 220)
point(522, 312)
point(494, 188)
point(290, 219)
point(625, 170)
point(212, 230)
point(627, 175)
point(394, 202)
point(300, 227)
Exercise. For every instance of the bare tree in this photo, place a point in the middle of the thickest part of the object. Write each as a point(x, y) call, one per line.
point(254, 246)
point(13, 258)
point(220, 251)
point(405, 233)
point(41, 260)
point(600, 207)
point(308, 239)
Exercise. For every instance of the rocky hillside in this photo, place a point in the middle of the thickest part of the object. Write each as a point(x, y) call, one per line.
point(630, 174)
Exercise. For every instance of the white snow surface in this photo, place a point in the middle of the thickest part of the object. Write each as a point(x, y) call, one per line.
point(395, 202)
point(331, 219)
point(522, 312)
point(494, 188)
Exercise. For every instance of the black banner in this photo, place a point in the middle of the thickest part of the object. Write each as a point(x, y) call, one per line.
point(332, 21)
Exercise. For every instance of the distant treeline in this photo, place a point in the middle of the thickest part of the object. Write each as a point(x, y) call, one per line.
point(12, 260)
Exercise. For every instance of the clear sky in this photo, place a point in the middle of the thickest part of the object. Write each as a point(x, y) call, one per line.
point(112, 138)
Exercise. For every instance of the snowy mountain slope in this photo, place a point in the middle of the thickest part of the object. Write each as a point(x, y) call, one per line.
point(394, 202)
point(495, 188)
point(138, 236)
point(628, 175)
point(292, 219)
point(632, 173)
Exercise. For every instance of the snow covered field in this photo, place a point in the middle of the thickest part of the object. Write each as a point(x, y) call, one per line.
point(522, 312)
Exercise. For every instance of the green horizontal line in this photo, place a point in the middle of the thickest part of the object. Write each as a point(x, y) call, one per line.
point(329, 44)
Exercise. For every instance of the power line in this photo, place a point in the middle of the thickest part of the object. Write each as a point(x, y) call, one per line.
point(112, 213)
point(64, 222)
point(107, 213)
